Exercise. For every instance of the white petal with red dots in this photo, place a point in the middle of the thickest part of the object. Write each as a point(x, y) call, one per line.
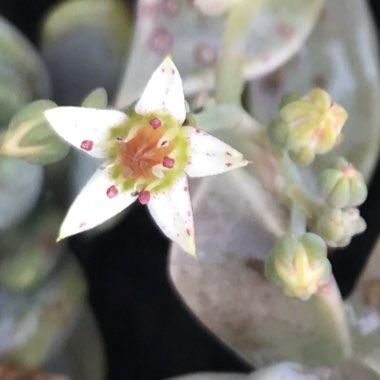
point(209, 155)
point(164, 93)
point(98, 201)
point(171, 209)
point(84, 127)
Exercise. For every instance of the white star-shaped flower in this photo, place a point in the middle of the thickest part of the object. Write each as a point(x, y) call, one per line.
point(147, 156)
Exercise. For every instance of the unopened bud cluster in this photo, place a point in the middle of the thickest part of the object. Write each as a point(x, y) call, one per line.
point(299, 265)
point(342, 188)
point(342, 185)
point(307, 125)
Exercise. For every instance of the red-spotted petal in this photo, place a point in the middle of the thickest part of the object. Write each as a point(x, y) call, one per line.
point(171, 209)
point(209, 155)
point(84, 127)
point(99, 201)
point(164, 93)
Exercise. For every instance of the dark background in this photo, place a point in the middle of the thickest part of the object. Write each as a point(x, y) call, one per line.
point(148, 333)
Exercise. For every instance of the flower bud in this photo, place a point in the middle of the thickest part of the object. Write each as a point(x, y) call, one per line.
point(337, 226)
point(342, 185)
point(31, 137)
point(299, 265)
point(307, 126)
point(97, 98)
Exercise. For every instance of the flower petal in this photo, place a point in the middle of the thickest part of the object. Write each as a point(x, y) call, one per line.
point(209, 155)
point(84, 127)
point(164, 93)
point(171, 209)
point(98, 201)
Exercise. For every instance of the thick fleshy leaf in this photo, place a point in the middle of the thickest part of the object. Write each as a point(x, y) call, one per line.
point(20, 187)
point(84, 44)
point(99, 201)
point(84, 127)
point(209, 155)
point(164, 93)
point(171, 209)
point(343, 42)
point(30, 136)
point(238, 222)
point(23, 75)
point(283, 371)
point(177, 27)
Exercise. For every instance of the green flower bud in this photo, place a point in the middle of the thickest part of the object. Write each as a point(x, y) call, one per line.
point(307, 126)
point(97, 98)
point(299, 265)
point(337, 226)
point(302, 156)
point(31, 137)
point(342, 185)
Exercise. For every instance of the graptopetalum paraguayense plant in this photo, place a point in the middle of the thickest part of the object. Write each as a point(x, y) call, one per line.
point(304, 127)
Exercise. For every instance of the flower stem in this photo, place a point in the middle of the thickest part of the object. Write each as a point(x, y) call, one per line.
point(229, 69)
point(297, 220)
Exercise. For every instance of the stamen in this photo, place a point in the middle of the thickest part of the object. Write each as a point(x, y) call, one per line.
point(144, 197)
point(155, 123)
point(168, 162)
point(87, 145)
point(112, 191)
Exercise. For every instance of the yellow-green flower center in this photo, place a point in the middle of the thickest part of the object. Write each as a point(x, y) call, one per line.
point(147, 152)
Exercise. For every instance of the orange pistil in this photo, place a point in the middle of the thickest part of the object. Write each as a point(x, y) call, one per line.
point(140, 154)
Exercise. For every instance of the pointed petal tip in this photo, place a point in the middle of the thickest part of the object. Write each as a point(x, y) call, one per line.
point(60, 237)
point(188, 245)
point(164, 92)
point(193, 253)
point(246, 162)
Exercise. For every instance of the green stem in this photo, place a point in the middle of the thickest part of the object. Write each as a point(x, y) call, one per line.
point(229, 69)
point(297, 220)
point(295, 188)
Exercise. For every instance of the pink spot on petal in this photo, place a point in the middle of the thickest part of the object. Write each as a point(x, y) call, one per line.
point(188, 231)
point(265, 58)
point(228, 154)
point(87, 145)
point(112, 191)
point(155, 123)
point(81, 225)
point(144, 197)
point(189, 213)
point(171, 7)
point(186, 189)
point(148, 10)
point(168, 162)
point(205, 54)
point(285, 30)
point(161, 41)
point(198, 130)
point(228, 164)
